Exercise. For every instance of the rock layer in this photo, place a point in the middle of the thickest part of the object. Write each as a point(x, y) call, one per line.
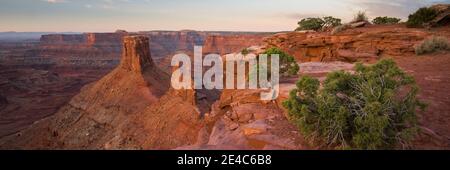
point(359, 44)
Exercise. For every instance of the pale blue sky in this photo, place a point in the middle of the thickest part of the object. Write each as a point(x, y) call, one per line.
point(226, 15)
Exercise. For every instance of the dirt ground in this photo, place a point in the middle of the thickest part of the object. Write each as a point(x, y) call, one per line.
point(432, 74)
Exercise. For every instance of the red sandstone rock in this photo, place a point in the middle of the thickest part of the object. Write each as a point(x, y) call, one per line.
point(136, 54)
point(443, 17)
point(359, 44)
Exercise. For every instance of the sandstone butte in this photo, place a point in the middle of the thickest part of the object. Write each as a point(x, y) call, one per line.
point(133, 107)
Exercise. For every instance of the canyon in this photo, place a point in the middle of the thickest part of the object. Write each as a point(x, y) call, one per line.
point(39, 75)
point(128, 102)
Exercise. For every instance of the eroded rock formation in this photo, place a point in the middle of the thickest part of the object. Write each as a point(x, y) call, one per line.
point(443, 16)
point(359, 44)
point(131, 107)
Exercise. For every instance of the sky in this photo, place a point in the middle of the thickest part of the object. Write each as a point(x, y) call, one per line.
point(204, 15)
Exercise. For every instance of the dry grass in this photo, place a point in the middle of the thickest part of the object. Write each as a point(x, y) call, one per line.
point(432, 44)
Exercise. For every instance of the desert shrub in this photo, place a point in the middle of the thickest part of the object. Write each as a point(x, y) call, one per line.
point(318, 23)
point(386, 20)
point(245, 51)
point(339, 29)
point(432, 44)
point(360, 16)
point(374, 108)
point(330, 22)
point(310, 24)
point(420, 17)
point(288, 65)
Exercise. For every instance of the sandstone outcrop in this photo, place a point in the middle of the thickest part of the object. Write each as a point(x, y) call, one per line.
point(243, 121)
point(225, 44)
point(359, 44)
point(136, 54)
point(443, 16)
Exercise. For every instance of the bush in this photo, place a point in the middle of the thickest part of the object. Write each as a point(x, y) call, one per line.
point(360, 17)
point(432, 44)
point(310, 24)
point(245, 51)
point(421, 17)
point(330, 22)
point(386, 20)
point(374, 108)
point(288, 65)
point(339, 29)
point(317, 24)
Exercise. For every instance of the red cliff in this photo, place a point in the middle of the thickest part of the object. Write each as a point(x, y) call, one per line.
point(359, 44)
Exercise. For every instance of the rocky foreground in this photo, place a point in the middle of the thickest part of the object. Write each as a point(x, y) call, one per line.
point(133, 106)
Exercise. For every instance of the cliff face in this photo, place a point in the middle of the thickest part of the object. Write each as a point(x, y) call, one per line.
point(225, 44)
point(165, 43)
point(101, 50)
point(360, 44)
point(86, 39)
point(82, 50)
point(136, 54)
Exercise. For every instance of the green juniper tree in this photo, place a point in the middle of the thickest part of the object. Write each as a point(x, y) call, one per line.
point(385, 20)
point(421, 17)
point(374, 108)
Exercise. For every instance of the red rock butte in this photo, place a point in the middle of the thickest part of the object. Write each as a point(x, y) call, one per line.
point(136, 53)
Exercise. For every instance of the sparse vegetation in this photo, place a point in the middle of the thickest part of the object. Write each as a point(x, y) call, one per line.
point(310, 24)
point(432, 44)
point(421, 17)
point(317, 24)
point(386, 20)
point(374, 108)
point(330, 22)
point(360, 17)
point(245, 51)
point(339, 29)
point(288, 65)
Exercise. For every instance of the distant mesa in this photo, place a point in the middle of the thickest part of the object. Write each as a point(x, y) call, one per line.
point(121, 31)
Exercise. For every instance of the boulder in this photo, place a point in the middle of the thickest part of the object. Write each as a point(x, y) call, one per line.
point(256, 127)
point(443, 17)
point(359, 24)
